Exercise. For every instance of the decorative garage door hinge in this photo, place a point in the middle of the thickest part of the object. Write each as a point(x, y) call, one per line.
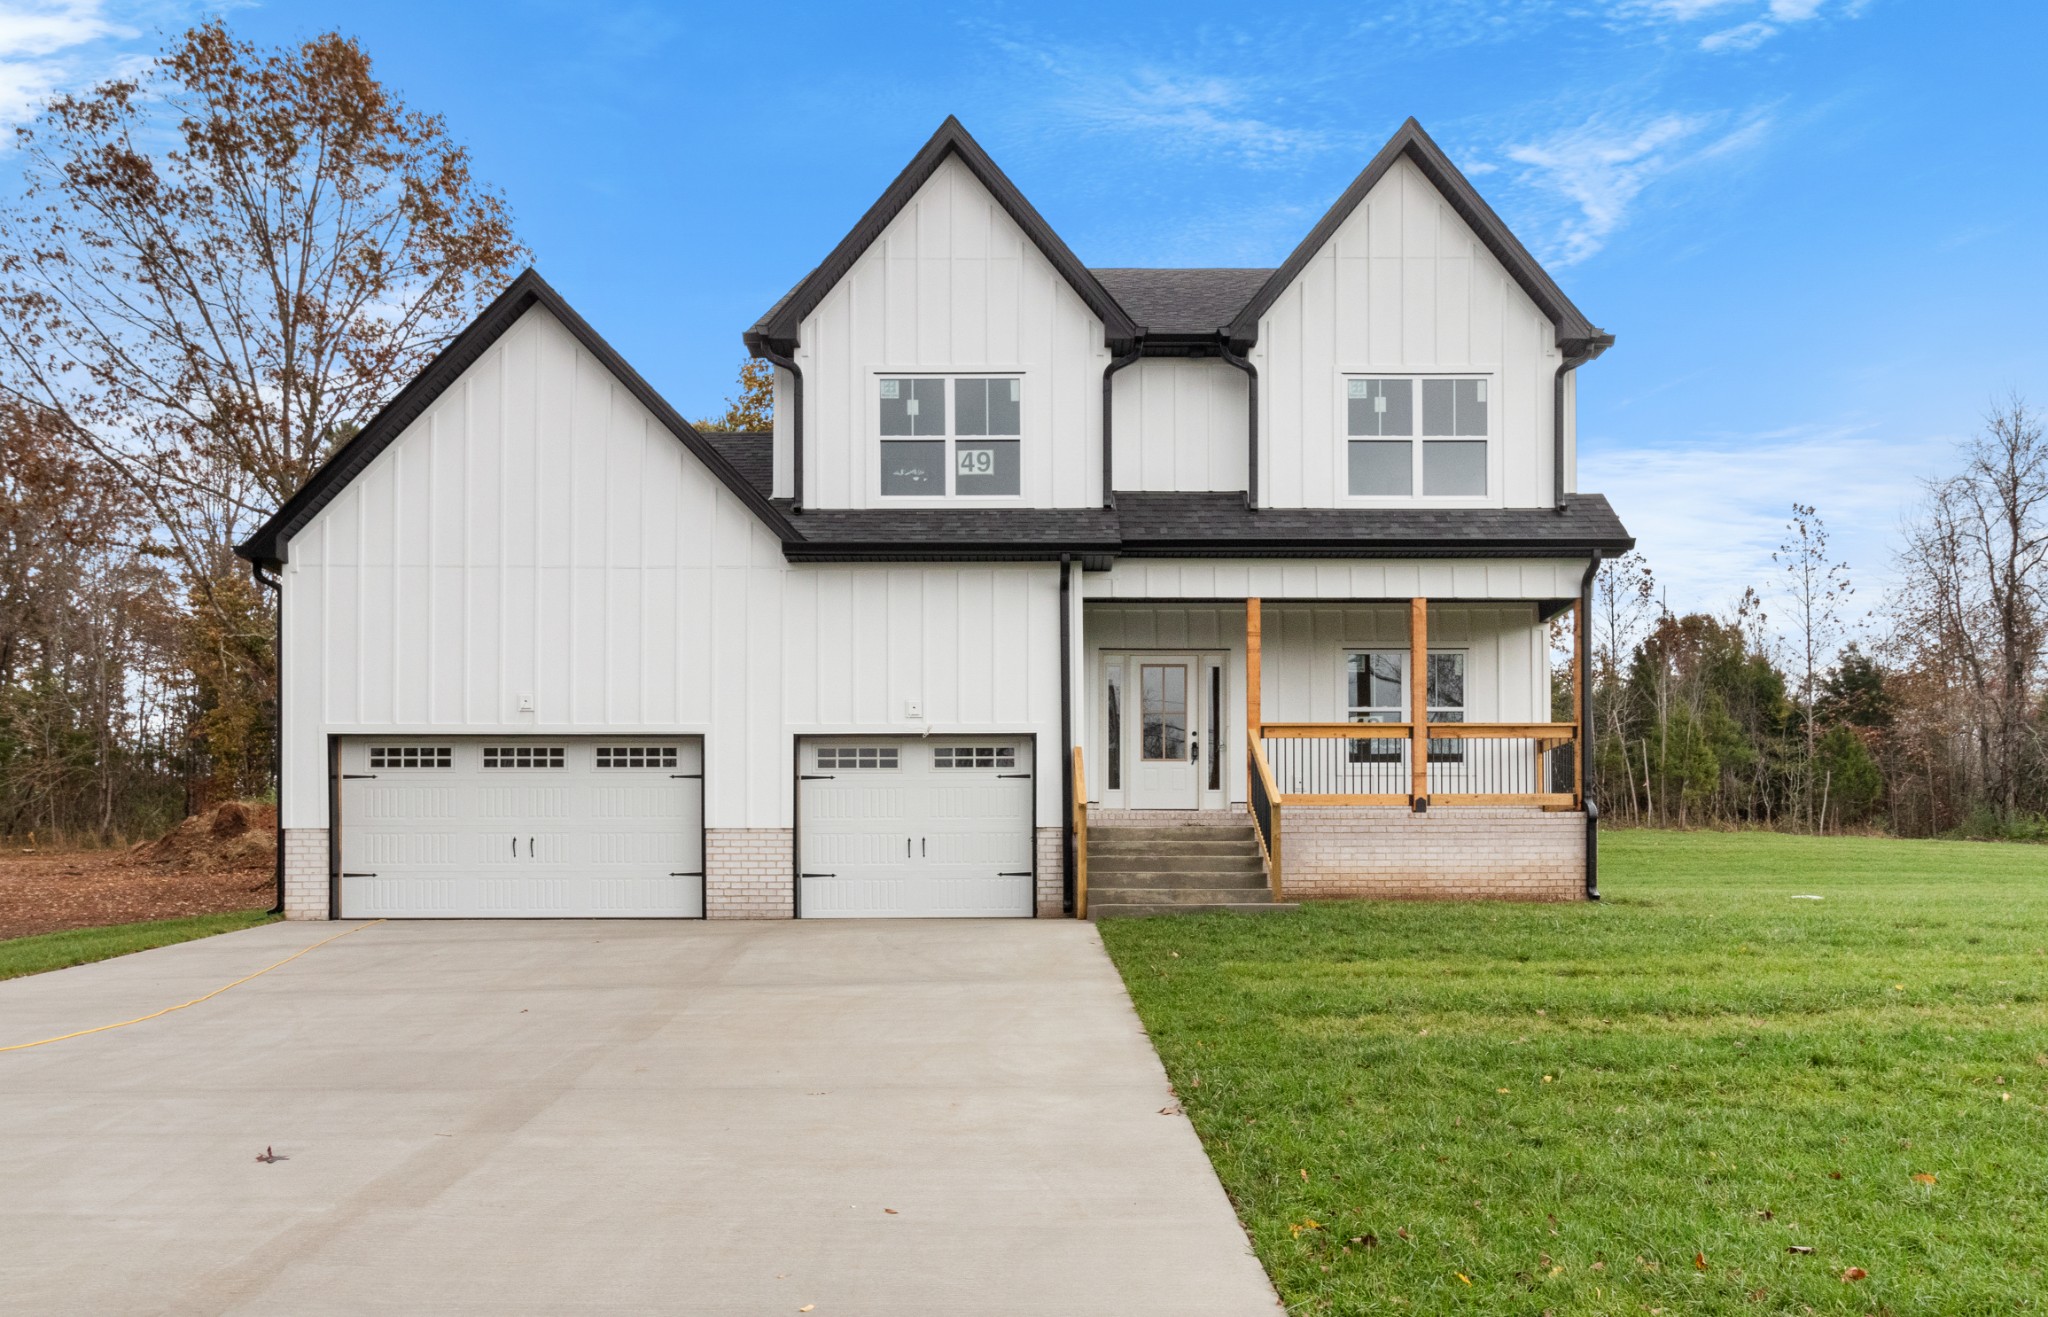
point(1013, 775)
point(346, 777)
point(698, 777)
point(816, 777)
point(358, 875)
point(821, 875)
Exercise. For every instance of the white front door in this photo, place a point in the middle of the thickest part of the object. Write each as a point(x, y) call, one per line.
point(1166, 731)
point(521, 827)
point(914, 826)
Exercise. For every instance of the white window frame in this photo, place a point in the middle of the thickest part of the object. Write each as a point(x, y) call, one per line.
point(949, 376)
point(1495, 464)
point(1441, 750)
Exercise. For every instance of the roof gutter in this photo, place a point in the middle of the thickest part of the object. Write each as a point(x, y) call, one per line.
point(761, 348)
point(1577, 352)
point(1116, 363)
point(276, 587)
point(1243, 363)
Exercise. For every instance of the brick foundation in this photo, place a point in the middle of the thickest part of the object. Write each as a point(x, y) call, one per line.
point(305, 873)
point(1452, 852)
point(748, 874)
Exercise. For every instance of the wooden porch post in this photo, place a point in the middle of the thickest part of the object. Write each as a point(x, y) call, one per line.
point(1579, 637)
point(1418, 699)
point(1252, 711)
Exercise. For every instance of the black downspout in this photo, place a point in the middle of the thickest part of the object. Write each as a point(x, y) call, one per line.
point(1116, 363)
point(1251, 484)
point(796, 419)
point(1577, 353)
point(1585, 648)
point(1066, 735)
point(276, 587)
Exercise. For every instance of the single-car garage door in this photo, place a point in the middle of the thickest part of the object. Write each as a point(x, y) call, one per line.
point(522, 827)
point(891, 827)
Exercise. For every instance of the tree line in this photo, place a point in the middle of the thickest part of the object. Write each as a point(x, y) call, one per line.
point(1928, 720)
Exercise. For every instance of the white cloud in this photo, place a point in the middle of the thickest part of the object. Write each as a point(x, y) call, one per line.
point(1173, 108)
point(1598, 169)
point(1743, 36)
point(52, 46)
point(1708, 515)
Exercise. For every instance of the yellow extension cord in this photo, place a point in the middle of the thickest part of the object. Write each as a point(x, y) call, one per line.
point(196, 1000)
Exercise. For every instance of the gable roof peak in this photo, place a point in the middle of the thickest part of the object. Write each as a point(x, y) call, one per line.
point(777, 330)
point(1410, 142)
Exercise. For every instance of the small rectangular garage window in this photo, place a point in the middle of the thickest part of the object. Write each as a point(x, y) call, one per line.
point(857, 756)
point(523, 756)
point(636, 756)
point(412, 756)
point(975, 756)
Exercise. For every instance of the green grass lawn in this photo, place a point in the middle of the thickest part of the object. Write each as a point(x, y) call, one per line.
point(1639, 1105)
point(80, 946)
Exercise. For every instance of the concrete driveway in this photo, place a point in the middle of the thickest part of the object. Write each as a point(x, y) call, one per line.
point(875, 1118)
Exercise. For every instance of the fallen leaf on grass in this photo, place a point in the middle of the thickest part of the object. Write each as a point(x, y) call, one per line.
point(1503, 1090)
point(1854, 1273)
point(1462, 1276)
point(1546, 1079)
point(1923, 1177)
point(1367, 1240)
point(1304, 1175)
point(1834, 1175)
point(1402, 1232)
point(1799, 1248)
point(1766, 1214)
point(1306, 1223)
point(1699, 1261)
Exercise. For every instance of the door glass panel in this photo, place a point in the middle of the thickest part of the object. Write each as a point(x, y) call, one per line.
point(1215, 721)
point(1165, 711)
point(1114, 751)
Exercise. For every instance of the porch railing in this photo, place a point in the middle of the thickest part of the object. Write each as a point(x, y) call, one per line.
point(1265, 803)
point(1467, 764)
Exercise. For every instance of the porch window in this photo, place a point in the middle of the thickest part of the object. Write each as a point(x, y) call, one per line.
point(1376, 691)
point(1393, 451)
point(1373, 694)
point(971, 448)
point(1113, 749)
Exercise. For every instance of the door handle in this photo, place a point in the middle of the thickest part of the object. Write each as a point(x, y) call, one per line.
point(1195, 748)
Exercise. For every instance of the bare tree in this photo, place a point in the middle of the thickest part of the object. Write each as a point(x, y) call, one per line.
point(1975, 599)
point(1818, 589)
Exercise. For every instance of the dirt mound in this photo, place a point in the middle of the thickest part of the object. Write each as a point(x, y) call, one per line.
point(235, 835)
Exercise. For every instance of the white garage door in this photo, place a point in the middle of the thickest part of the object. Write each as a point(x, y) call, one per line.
point(929, 826)
point(520, 827)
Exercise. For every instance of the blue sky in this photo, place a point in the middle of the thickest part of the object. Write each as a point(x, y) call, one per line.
point(1815, 225)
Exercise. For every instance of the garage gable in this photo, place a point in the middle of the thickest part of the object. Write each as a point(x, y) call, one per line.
point(422, 406)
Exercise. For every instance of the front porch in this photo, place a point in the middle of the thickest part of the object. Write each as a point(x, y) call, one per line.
point(1374, 747)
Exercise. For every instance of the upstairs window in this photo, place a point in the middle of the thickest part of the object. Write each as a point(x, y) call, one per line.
point(1409, 435)
point(951, 437)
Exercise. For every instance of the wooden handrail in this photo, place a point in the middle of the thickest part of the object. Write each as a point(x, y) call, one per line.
point(1272, 845)
point(1435, 732)
point(1080, 838)
point(1547, 737)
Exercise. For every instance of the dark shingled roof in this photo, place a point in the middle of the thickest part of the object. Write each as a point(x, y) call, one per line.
point(952, 533)
point(1182, 301)
point(751, 453)
point(1209, 524)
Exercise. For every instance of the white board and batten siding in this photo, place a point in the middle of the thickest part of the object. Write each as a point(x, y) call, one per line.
point(536, 532)
point(1403, 285)
point(1180, 423)
point(952, 285)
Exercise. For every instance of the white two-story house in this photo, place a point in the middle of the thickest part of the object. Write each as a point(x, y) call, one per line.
point(1224, 577)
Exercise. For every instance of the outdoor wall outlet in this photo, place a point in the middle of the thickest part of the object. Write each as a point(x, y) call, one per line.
point(526, 704)
point(913, 710)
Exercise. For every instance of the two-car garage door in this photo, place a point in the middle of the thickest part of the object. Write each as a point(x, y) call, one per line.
point(522, 827)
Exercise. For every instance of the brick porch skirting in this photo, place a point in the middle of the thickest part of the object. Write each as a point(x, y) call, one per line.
point(305, 873)
point(748, 873)
point(1452, 852)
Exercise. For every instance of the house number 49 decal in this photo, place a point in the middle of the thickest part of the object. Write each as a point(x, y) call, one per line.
point(976, 462)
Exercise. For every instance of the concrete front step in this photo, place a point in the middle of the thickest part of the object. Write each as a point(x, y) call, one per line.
point(1252, 879)
point(1121, 896)
point(1173, 863)
point(1235, 907)
point(1117, 841)
point(1181, 831)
